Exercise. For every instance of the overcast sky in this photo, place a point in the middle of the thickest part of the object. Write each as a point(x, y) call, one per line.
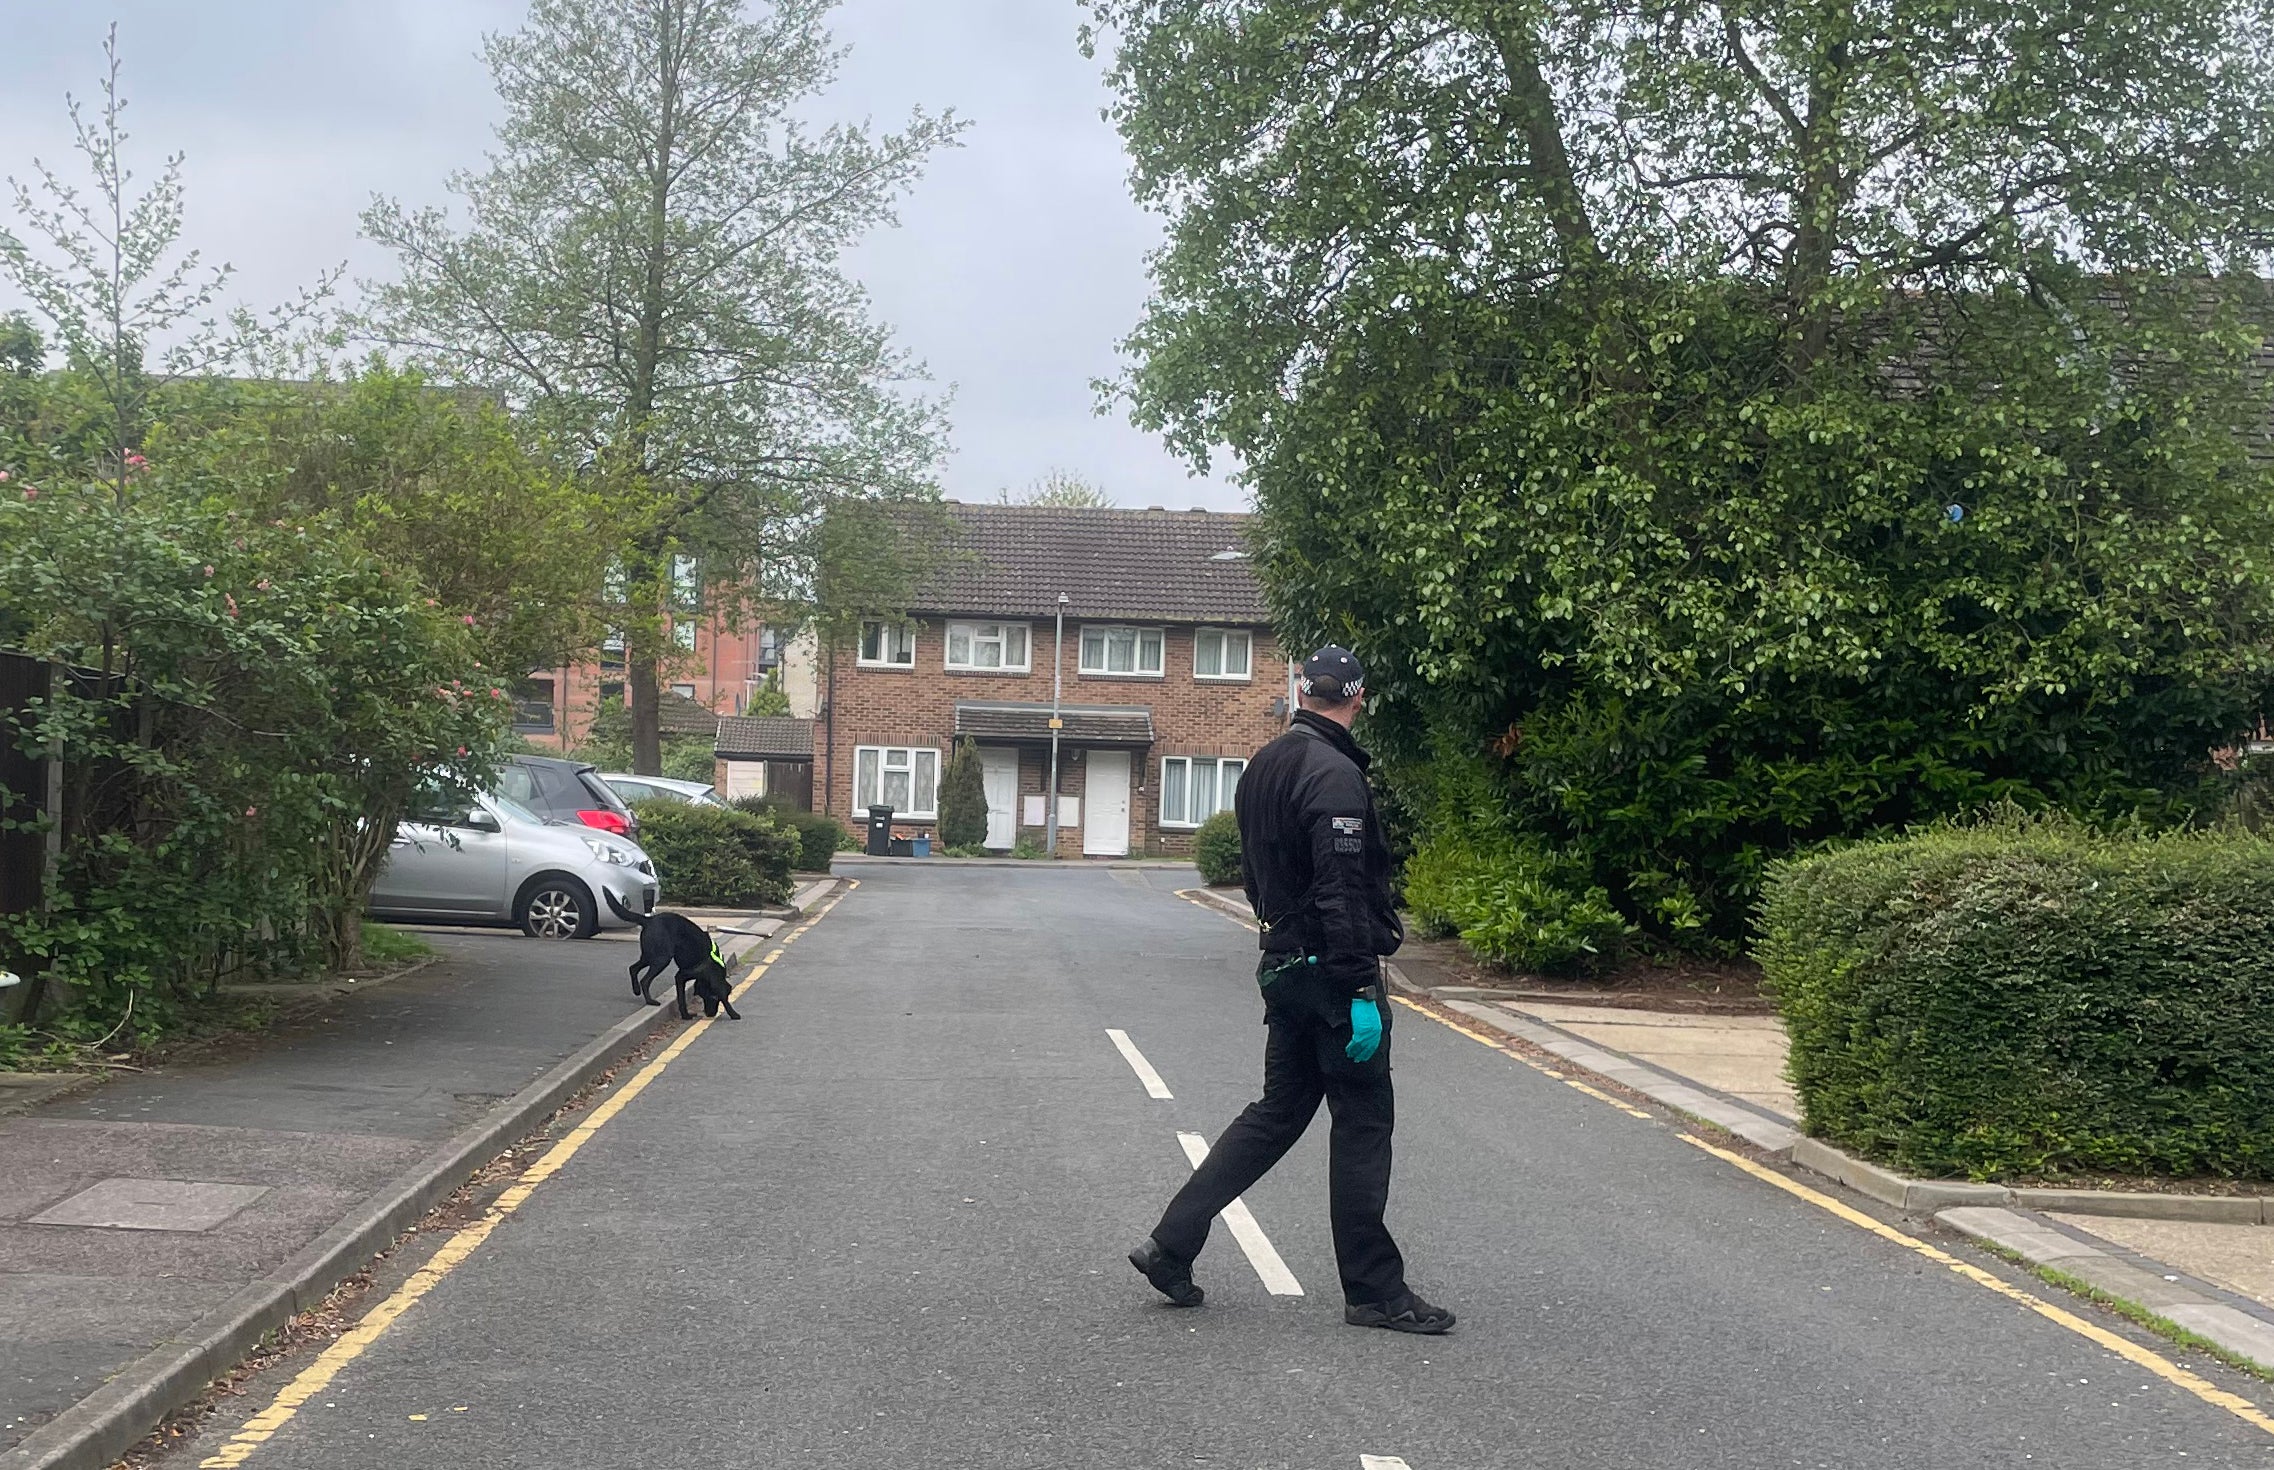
point(1018, 265)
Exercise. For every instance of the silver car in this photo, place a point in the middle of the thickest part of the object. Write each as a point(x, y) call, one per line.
point(493, 861)
point(636, 789)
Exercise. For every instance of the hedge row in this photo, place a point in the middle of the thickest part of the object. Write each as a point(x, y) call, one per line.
point(2028, 998)
point(718, 857)
point(1511, 903)
point(820, 837)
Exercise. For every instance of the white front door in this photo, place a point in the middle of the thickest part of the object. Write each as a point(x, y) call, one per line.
point(1105, 826)
point(1001, 778)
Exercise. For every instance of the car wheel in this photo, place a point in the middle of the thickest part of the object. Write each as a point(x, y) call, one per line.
point(555, 907)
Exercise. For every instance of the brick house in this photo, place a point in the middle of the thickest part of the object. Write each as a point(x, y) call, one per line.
point(1169, 679)
point(715, 664)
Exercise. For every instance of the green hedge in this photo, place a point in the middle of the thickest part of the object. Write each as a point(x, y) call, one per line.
point(820, 838)
point(712, 856)
point(1511, 903)
point(1216, 849)
point(2030, 998)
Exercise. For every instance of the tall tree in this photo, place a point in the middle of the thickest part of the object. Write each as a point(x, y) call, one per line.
point(650, 267)
point(1724, 423)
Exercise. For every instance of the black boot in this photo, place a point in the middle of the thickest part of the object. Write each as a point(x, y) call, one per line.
point(1171, 1277)
point(1408, 1313)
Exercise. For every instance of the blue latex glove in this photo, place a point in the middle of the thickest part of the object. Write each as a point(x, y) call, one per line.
point(1365, 1030)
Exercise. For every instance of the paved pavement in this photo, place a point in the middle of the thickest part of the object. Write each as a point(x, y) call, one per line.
point(881, 1222)
point(132, 1210)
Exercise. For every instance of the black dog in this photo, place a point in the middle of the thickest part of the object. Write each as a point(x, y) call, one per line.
point(674, 939)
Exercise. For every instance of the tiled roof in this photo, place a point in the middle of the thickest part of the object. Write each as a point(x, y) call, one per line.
point(676, 714)
point(765, 737)
point(1089, 724)
point(1179, 566)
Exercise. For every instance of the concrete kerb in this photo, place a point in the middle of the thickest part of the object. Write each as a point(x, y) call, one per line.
point(2175, 1299)
point(1917, 1196)
point(97, 1430)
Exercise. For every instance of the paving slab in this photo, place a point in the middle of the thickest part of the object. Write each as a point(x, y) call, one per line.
point(1743, 1056)
point(2239, 1258)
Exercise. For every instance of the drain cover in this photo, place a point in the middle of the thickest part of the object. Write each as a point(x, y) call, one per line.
point(151, 1204)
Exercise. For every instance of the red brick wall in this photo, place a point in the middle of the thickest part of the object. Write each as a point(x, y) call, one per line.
point(916, 707)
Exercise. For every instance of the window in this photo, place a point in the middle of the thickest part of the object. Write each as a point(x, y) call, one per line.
point(686, 582)
point(683, 634)
point(987, 646)
point(533, 707)
point(1133, 651)
point(1193, 790)
point(684, 691)
point(769, 648)
point(908, 781)
point(1222, 653)
point(889, 645)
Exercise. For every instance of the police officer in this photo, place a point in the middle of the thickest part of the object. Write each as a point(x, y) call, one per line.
point(1317, 871)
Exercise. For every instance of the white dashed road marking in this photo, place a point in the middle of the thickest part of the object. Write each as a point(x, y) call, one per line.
point(1277, 1279)
point(1382, 1462)
point(1154, 1086)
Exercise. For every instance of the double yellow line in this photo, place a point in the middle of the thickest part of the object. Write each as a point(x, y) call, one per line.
point(350, 1345)
point(2132, 1352)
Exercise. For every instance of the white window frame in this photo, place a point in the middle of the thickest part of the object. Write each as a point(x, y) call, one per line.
point(884, 766)
point(1182, 822)
point(1138, 635)
point(976, 633)
point(683, 634)
point(1247, 639)
point(888, 629)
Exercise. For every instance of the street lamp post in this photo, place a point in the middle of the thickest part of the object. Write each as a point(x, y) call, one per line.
point(1057, 681)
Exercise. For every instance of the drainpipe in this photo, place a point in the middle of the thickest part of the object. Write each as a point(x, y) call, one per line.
point(1057, 679)
point(829, 733)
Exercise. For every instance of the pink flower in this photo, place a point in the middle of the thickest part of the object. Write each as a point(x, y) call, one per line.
point(135, 461)
point(3, 477)
point(261, 585)
point(497, 694)
point(231, 603)
point(469, 620)
point(209, 571)
point(252, 811)
point(461, 750)
point(31, 494)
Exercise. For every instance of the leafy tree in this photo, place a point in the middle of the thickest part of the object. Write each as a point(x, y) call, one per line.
point(768, 698)
point(650, 269)
point(1722, 426)
point(1060, 488)
point(440, 484)
point(963, 799)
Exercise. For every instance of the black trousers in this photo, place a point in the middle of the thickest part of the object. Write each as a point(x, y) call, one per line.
point(1307, 1019)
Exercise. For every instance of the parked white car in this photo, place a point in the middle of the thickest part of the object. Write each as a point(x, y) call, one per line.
point(636, 789)
point(493, 861)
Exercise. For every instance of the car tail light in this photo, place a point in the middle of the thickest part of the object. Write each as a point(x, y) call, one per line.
point(606, 821)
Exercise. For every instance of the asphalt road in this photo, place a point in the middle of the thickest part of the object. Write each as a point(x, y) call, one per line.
point(880, 1223)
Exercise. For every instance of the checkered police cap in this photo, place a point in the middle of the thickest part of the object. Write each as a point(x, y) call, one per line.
point(1333, 673)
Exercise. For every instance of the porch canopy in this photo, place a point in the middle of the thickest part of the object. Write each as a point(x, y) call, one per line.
point(1124, 726)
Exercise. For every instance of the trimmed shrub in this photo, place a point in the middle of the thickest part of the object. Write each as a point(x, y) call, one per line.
point(1216, 849)
point(2028, 997)
point(1511, 903)
point(820, 837)
point(963, 799)
point(722, 857)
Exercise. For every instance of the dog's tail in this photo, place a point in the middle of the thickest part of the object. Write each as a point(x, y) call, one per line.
point(624, 913)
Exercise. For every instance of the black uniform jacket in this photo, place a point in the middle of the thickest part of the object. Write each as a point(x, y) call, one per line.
point(1312, 852)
